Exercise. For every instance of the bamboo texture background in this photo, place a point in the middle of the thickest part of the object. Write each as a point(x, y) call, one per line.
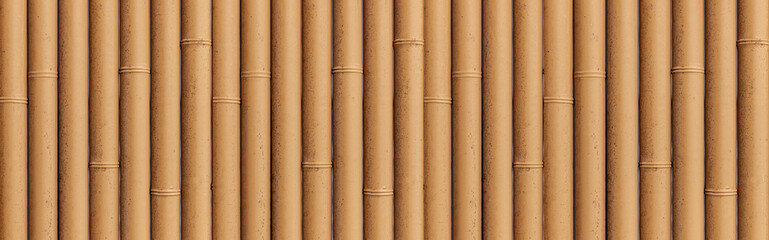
point(384, 119)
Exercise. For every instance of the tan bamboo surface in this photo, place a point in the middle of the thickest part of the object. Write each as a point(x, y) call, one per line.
point(378, 120)
point(255, 119)
point(196, 119)
point(42, 86)
point(466, 119)
point(104, 142)
point(13, 112)
point(688, 120)
point(527, 115)
point(316, 120)
point(226, 119)
point(558, 134)
point(73, 119)
point(589, 120)
point(622, 127)
point(437, 117)
point(752, 117)
point(286, 134)
point(720, 119)
point(165, 116)
point(655, 114)
point(408, 42)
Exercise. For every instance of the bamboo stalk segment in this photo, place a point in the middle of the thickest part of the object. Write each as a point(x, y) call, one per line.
point(527, 122)
point(752, 118)
point(622, 129)
point(558, 133)
point(165, 116)
point(196, 119)
point(437, 117)
point(688, 120)
point(466, 119)
point(13, 112)
point(104, 88)
point(42, 86)
point(286, 116)
point(316, 119)
point(255, 119)
point(73, 119)
point(589, 120)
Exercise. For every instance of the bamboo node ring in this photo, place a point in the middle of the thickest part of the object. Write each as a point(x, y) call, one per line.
point(14, 100)
point(317, 164)
point(655, 164)
point(134, 69)
point(256, 74)
point(590, 74)
point(166, 192)
point(417, 42)
point(378, 192)
point(749, 41)
point(230, 100)
point(441, 100)
point(201, 42)
point(695, 69)
point(563, 100)
point(43, 74)
point(466, 74)
point(528, 164)
point(721, 192)
point(336, 70)
point(104, 165)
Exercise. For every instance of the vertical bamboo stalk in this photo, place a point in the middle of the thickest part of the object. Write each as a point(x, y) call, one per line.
point(437, 114)
point(13, 112)
point(73, 119)
point(558, 105)
point(527, 117)
point(753, 115)
point(466, 119)
point(165, 116)
point(720, 119)
point(316, 119)
point(196, 119)
point(255, 119)
point(286, 120)
point(589, 120)
point(688, 121)
point(42, 115)
point(409, 119)
point(226, 119)
point(104, 56)
point(622, 207)
point(655, 115)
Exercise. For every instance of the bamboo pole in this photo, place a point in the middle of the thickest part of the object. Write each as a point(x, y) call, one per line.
point(622, 206)
point(753, 115)
point(41, 78)
point(255, 119)
point(286, 120)
point(720, 119)
point(558, 105)
point(165, 116)
point(226, 119)
point(316, 119)
point(104, 57)
point(589, 120)
point(655, 114)
point(437, 114)
point(196, 119)
point(73, 119)
point(13, 112)
point(408, 42)
point(466, 119)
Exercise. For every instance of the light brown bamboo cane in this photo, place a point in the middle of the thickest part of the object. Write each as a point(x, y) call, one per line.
point(286, 120)
point(408, 42)
point(196, 119)
point(720, 119)
point(466, 119)
point(558, 115)
point(688, 120)
point(73, 119)
point(104, 56)
point(13, 112)
point(165, 116)
point(42, 115)
point(753, 115)
point(255, 119)
point(437, 114)
point(316, 119)
point(589, 120)
point(226, 119)
point(622, 206)
point(655, 126)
